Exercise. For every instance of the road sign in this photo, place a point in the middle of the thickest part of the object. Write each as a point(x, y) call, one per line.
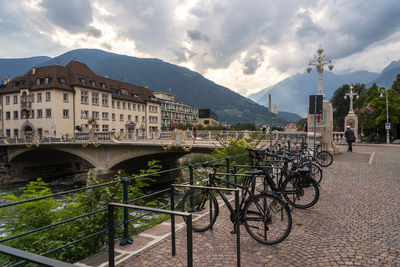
point(387, 126)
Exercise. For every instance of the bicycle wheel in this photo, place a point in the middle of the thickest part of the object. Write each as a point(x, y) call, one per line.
point(204, 208)
point(315, 170)
point(325, 158)
point(300, 192)
point(267, 219)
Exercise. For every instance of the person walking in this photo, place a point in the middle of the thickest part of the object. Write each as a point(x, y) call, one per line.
point(350, 138)
point(194, 133)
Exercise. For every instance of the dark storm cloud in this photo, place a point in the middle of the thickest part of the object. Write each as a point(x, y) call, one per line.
point(253, 61)
point(198, 36)
point(72, 15)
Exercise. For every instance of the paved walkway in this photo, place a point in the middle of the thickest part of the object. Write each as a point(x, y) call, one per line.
point(355, 222)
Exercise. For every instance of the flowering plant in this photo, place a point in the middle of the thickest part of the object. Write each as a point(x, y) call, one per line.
point(92, 121)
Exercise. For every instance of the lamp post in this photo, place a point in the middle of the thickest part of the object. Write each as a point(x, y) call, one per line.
point(387, 126)
point(319, 61)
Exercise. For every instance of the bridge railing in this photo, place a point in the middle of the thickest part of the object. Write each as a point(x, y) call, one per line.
point(338, 137)
point(188, 174)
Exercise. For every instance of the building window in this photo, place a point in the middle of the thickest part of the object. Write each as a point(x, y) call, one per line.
point(138, 107)
point(121, 130)
point(7, 100)
point(32, 97)
point(153, 119)
point(15, 99)
point(136, 118)
point(153, 109)
point(129, 106)
point(129, 117)
point(84, 97)
point(104, 100)
point(118, 104)
point(113, 104)
point(62, 81)
point(82, 80)
point(8, 115)
point(95, 98)
point(104, 116)
point(24, 114)
point(32, 114)
point(46, 80)
point(48, 112)
point(104, 127)
point(95, 115)
point(65, 97)
point(40, 131)
point(113, 116)
point(37, 81)
point(39, 114)
point(65, 113)
point(15, 133)
point(103, 85)
point(133, 107)
point(93, 83)
point(48, 96)
point(143, 119)
point(15, 117)
point(39, 97)
point(8, 132)
point(121, 117)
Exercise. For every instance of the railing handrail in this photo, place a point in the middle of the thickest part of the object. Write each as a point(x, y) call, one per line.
point(31, 257)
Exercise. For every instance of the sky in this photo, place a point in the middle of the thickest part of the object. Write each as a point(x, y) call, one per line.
point(245, 45)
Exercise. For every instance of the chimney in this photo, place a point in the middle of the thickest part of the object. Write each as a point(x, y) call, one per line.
point(33, 71)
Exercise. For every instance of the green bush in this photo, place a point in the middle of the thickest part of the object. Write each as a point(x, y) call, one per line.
point(36, 214)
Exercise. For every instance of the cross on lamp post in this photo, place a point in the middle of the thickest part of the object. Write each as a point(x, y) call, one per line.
point(351, 95)
point(387, 126)
point(319, 63)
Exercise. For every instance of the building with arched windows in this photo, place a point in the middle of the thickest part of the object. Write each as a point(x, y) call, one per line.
point(56, 100)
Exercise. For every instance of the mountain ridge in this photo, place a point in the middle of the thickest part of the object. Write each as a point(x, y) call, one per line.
point(189, 87)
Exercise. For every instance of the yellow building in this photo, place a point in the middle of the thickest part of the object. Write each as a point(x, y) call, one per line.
point(54, 101)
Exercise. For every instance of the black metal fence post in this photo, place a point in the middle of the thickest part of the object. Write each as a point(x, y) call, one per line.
point(237, 213)
point(191, 183)
point(227, 176)
point(173, 221)
point(189, 241)
point(111, 262)
point(126, 239)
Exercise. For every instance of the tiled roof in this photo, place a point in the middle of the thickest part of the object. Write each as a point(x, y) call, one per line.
point(72, 75)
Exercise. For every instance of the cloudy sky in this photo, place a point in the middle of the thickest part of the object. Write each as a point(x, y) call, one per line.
point(245, 45)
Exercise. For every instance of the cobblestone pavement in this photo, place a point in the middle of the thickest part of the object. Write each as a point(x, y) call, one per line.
point(355, 222)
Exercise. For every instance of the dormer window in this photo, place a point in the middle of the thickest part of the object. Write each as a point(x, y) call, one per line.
point(37, 81)
point(46, 80)
point(62, 80)
point(82, 80)
point(124, 91)
point(93, 83)
point(103, 85)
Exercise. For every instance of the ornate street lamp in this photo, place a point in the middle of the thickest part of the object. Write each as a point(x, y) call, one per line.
point(387, 126)
point(319, 61)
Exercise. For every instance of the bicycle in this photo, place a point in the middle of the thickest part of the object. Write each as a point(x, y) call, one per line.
point(265, 216)
point(297, 186)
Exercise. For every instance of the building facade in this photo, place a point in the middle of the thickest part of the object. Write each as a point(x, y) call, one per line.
point(208, 118)
point(55, 101)
point(175, 112)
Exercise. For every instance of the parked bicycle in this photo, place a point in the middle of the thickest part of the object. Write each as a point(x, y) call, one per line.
point(265, 216)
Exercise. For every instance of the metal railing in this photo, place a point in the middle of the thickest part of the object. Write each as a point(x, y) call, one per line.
point(126, 238)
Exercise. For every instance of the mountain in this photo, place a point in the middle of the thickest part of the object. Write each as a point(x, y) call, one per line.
point(358, 77)
point(388, 75)
point(189, 87)
point(16, 66)
point(292, 94)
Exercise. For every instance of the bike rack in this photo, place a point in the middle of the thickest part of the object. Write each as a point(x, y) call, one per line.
point(111, 255)
point(237, 218)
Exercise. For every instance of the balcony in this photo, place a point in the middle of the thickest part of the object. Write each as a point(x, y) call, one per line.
point(26, 105)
